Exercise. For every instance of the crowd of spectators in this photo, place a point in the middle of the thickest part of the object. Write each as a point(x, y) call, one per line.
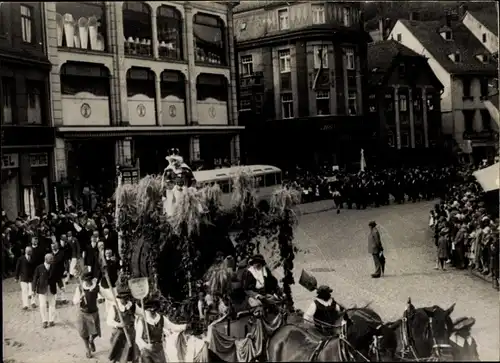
point(466, 229)
point(372, 187)
point(75, 233)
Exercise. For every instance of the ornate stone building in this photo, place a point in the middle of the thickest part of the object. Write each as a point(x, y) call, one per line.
point(302, 69)
point(132, 79)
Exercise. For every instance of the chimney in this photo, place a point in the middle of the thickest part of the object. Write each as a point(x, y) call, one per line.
point(381, 27)
point(414, 16)
point(463, 9)
point(448, 19)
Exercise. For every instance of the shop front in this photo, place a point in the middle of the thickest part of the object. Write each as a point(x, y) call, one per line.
point(27, 170)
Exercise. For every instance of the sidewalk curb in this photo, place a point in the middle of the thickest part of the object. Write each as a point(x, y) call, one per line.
point(488, 279)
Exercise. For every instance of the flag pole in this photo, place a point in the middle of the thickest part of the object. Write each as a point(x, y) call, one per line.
point(119, 177)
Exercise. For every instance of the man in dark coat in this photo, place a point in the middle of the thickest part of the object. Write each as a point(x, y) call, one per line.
point(38, 252)
point(91, 258)
point(25, 269)
point(376, 250)
point(58, 266)
point(45, 285)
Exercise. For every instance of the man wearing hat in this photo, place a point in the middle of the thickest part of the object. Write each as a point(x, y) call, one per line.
point(323, 311)
point(376, 250)
point(259, 283)
point(120, 350)
point(89, 325)
point(152, 349)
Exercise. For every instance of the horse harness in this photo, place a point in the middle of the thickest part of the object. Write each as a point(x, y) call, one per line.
point(408, 353)
point(346, 351)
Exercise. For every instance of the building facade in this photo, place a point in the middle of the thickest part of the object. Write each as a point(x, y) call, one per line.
point(483, 24)
point(26, 122)
point(131, 80)
point(404, 96)
point(465, 68)
point(302, 72)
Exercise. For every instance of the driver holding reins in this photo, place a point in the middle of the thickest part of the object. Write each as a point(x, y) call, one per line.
point(323, 311)
point(259, 283)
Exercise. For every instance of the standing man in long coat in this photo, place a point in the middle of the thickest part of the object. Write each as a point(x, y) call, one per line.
point(376, 250)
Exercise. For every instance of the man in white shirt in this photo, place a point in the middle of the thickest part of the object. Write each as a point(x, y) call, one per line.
point(45, 285)
point(323, 311)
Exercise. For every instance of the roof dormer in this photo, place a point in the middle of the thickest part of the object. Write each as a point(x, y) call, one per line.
point(455, 57)
point(446, 33)
point(483, 58)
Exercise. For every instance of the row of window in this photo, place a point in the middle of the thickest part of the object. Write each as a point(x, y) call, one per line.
point(343, 14)
point(320, 60)
point(402, 103)
point(36, 102)
point(323, 107)
point(469, 120)
point(261, 181)
point(467, 87)
point(405, 139)
point(95, 81)
point(83, 26)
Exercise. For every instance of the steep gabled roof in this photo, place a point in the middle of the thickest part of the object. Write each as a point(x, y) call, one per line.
point(488, 18)
point(463, 42)
point(381, 56)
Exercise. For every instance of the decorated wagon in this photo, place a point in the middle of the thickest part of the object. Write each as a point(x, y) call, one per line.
point(179, 236)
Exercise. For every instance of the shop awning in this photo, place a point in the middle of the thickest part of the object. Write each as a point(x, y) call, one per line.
point(130, 131)
point(488, 177)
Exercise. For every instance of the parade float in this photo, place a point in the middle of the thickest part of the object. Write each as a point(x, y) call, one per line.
point(174, 232)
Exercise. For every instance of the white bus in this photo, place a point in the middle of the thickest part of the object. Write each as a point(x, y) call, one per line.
point(267, 179)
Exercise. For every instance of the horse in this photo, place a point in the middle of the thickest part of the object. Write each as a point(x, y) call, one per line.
point(360, 336)
point(424, 334)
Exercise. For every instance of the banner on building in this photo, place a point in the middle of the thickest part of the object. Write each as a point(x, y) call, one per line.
point(488, 177)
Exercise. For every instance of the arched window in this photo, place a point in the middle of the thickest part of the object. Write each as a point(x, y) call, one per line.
point(173, 84)
point(141, 94)
point(84, 77)
point(173, 96)
point(85, 89)
point(169, 23)
point(137, 28)
point(81, 25)
point(211, 86)
point(210, 41)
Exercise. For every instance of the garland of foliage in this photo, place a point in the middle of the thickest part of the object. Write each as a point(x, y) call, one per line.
point(181, 248)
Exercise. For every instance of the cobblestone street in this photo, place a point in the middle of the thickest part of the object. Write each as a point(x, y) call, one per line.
point(337, 255)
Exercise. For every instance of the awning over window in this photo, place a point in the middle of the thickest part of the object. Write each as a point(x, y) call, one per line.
point(488, 177)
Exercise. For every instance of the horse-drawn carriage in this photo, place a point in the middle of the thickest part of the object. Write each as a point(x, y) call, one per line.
point(169, 229)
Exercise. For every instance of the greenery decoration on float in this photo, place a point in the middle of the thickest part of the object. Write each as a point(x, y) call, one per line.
point(178, 252)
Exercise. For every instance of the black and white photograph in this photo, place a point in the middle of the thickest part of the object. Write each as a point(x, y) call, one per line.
point(250, 181)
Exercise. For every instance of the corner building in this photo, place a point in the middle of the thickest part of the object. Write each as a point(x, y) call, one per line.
point(302, 68)
point(132, 79)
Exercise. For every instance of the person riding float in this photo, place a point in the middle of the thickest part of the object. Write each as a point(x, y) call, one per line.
point(323, 311)
point(259, 283)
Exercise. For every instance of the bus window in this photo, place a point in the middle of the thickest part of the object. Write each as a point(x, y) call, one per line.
point(259, 181)
point(224, 186)
point(278, 178)
point(270, 179)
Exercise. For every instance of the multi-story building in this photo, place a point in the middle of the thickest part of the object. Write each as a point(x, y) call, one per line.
point(404, 96)
point(302, 72)
point(483, 24)
point(27, 132)
point(466, 69)
point(132, 79)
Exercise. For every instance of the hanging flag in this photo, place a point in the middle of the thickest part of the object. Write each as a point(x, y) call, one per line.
point(320, 70)
point(362, 162)
point(488, 177)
